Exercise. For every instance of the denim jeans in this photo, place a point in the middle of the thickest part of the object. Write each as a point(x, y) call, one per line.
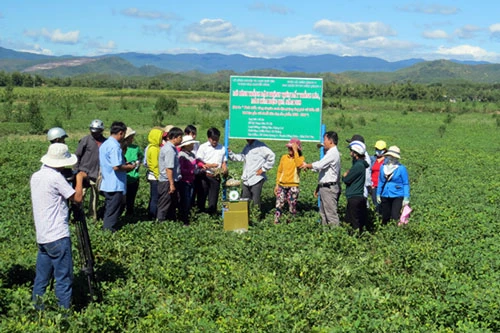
point(56, 258)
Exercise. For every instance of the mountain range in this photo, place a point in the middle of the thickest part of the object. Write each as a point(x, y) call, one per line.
point(343, 68)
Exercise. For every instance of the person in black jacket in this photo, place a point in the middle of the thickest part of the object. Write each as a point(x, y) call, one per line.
point(354, 178)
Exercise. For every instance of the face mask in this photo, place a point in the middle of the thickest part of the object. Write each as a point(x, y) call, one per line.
point(391, 160)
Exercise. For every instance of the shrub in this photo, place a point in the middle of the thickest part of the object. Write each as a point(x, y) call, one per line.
point(167, 105)
point(35, 117)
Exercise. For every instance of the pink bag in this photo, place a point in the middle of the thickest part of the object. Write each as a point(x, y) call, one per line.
point(405, 215)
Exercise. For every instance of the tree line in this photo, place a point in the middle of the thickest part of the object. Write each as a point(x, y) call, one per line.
point(219, 82)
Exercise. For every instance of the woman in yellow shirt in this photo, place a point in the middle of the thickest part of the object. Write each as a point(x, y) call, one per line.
point(288, 179)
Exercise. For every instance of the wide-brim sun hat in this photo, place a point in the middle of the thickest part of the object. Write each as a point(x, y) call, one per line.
point(129, 132)
point(380, 145)
point(187, 140)
point(58, 156)
point(394, 152)
point(292, 141)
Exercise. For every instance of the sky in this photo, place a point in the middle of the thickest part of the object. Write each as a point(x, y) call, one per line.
point(387, 29)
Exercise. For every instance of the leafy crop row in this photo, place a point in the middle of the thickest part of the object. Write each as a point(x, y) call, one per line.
point(440, 273)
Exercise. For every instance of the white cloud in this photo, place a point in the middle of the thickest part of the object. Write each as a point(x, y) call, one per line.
point(98, 48)
point(36, 48)
point(157, 28)
point(218, 31)
point(148, 15)
point(429, 9)
point(353, 30)
point(55, 36)
point(467, 31)
point(494, 27)
point(467, 52)
point(299, 45)
point(224, 33)
point(435, 34)
point(383, 43)
point(495, 31)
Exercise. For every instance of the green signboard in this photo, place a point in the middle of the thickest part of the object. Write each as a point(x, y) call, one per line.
point(275, 108)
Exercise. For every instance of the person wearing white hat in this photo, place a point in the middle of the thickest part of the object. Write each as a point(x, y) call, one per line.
point(393, 191)
point(189, 169)
point(354, 178)
point(133, 155)
point(50, 192)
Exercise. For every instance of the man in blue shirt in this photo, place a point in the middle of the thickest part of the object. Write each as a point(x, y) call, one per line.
point(114, 175)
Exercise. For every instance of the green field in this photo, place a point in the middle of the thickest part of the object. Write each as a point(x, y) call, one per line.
point(440, 273)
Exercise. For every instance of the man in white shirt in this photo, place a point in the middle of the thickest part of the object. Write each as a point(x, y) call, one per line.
point(212, 159)
point(49, 194)
point(258, 159)
point(328, 187)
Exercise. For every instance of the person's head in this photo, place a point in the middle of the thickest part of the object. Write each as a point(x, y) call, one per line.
point(330, 139)
point(167, 129)
point(58, 156)
point(357, 149)
point(187, 143)
point(96, 128)
point(175, 136)
point(118, 130)
point(393, 155)
point(56, 135)
point(213, 135)
point(380, 148)
point(129, 136)
point(356, 137)
point(290, 144)
point(190, 130)
point(250, 141)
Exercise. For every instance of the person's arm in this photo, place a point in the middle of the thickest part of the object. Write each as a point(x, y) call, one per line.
point(268, 160)
point(279, 173)
point(125, 167)
point(170, 177)
point(406, 183)
point(77, 197)
point(381, 181)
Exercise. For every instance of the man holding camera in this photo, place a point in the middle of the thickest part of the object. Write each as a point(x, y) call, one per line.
point(50, 191)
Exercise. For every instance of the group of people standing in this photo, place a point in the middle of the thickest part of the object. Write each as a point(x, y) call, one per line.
point(182, 173)
point(382, 176)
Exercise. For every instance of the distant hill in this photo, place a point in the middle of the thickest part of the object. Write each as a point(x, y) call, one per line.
point(438, 71)
point(216, 66)
point(213, 62)
point(113, 66)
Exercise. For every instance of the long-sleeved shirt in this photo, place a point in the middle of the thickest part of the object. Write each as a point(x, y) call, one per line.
point(328, 167)
point(398, 186)
point(288, 172)
point(255, 155)
point(355, 179)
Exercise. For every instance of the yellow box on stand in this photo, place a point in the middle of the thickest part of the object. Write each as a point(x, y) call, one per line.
point(235, 215)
